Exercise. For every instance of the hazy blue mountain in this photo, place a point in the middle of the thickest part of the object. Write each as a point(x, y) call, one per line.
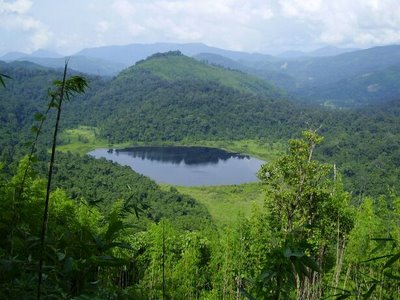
point(342, 79)
point(13, 56)
point(129, 54)
point(21, 64)
point(292, 54)
point(320, 52)
point(318, 76)
point(45, 54)
point(331, 51)
point(374, 87)
point(324, 70)
point(264, 69)
point(42, 53)
point(82, 64)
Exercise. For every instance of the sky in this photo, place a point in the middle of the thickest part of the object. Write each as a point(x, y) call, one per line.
point(264, 26)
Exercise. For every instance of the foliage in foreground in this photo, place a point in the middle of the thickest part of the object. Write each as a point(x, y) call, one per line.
point(307, 242)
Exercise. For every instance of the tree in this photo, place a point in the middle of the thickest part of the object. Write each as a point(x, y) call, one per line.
point(303, 215)
point(62, 90)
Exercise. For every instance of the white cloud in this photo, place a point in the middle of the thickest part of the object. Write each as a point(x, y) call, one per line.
point(40, 38)
point(17, 21)
point(343, 22)
point(220, 23)
point(103, 26)
point(18, 6)
point(124, 8)
point(250, 25)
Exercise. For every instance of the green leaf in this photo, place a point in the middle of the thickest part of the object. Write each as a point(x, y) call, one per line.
point(392, 276)
point(39, 117)
point(2, 76)
point(377, 258)
point(35, 129)
point(368, 294)
point(391, 261)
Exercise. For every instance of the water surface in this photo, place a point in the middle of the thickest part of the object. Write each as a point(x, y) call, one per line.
point(187, 166)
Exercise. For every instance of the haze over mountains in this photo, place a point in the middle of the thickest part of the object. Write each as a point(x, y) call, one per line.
point(332, 76)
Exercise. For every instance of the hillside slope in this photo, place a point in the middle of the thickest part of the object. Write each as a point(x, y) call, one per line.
point(173, 97)
point(355, 78)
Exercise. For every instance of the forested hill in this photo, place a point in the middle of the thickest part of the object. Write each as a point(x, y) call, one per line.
point(306, 240)
point(174, 97)
point(174, 66)
point(351, 79)
point(170, 97)
point(25, 94)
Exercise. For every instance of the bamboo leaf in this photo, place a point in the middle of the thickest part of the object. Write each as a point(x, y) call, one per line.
point(391, 261)
point(377, 258)
point(2, 76)
point(35, 129)
point(368, 294)
point(392, 276)
point(39, 117)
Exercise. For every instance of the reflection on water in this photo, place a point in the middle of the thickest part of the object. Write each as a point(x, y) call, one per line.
point(188, 166)
point(177, 155)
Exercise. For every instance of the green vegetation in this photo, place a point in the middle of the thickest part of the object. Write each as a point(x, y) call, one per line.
point(173, 66)
point(226, 204)
point(141, 107)
point(83, 139)
point(353, 79)
point(304, 241)
point(114, 234)
point(102, 183)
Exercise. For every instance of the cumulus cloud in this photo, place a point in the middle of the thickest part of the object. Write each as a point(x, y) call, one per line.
point(342, 22)
point(249, 25)
point(259, 24)
point(222, 22)
point(17, 21)
point(18, 6)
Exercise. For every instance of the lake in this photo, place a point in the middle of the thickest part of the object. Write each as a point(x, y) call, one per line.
point(187, 166)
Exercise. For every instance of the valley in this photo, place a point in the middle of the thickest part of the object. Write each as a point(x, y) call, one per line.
point(327, 126)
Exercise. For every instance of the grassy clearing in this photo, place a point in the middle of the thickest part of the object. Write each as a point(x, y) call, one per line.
point(83, 139)
point(226, 203)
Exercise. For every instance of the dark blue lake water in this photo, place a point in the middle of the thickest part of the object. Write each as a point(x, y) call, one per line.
point(187, 166)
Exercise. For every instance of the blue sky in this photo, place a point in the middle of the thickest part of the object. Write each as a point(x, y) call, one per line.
point(266, 26)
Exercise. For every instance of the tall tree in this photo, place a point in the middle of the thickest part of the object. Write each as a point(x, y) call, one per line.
point(303, 213)
point(63, 90)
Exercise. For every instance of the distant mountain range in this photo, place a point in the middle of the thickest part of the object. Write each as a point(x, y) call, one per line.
point(330, 75)
point(172, 97)
point(321, 52)
point(348, 79)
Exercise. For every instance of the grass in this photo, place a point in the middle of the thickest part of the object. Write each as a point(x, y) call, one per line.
point(226, 203)
point(83, 139)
